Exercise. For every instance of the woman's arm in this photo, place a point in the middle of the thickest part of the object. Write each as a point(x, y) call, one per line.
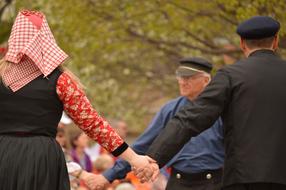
point(79, 109)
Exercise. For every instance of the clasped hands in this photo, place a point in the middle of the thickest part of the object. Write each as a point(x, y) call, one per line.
point(144, 167)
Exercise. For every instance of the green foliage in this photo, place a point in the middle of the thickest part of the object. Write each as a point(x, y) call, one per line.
point(4, 32)
point(125, 52)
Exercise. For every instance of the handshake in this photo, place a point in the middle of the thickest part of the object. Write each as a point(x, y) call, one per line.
point(144, 167)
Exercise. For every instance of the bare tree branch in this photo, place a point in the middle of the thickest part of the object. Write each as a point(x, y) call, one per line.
point(230, 14)
point(193, 14)
point(204, 42)
point(159, 44)
point(176, 45)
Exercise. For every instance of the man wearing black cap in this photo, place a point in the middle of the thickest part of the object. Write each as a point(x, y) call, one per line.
point(199, 165)
point(250, 95)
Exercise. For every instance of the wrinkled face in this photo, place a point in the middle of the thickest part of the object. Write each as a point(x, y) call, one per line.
point(192, 86)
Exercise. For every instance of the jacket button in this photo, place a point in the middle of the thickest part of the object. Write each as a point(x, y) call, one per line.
point(178, 176)
point(209, 176)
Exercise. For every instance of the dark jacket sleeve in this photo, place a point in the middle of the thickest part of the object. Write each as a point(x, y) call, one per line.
point(192, 119)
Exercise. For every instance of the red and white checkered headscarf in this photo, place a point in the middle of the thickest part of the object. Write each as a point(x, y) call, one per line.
point(32, 50)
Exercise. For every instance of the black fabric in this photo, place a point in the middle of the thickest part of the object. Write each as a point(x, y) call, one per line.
point(197, 63)
point(185, 184)
point(258, 27)
point(30, 157)
point(35, 108)
point(120, 149)
point(256, 186)
point(215, 175)
point(32, 163)
point(250, 97)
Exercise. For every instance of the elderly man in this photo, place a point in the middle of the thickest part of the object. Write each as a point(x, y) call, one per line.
point(250, 97)
point(199, 165)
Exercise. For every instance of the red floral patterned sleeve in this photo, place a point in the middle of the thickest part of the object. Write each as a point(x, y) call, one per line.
point(79, 109)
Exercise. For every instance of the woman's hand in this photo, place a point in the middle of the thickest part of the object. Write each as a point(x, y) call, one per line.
point(147, 172)
point(145, 168)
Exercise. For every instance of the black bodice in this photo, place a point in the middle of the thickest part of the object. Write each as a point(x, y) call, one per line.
point(35, 108)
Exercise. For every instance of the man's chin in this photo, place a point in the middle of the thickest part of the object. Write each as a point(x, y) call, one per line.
point(184, 93)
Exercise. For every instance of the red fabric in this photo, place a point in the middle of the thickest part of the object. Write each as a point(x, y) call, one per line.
point(79, 109)
point(35, 17)
point(32, 50)
point(3, 50)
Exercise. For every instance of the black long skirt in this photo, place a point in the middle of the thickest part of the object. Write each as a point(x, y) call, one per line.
point(32, 163)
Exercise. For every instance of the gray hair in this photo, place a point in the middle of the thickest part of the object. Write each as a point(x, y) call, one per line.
point(207, 75)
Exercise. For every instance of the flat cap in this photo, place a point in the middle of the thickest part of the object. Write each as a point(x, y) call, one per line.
point(258, 27)
point(193, 65)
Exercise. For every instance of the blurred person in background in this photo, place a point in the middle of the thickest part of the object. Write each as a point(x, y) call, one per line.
point(120, 126)
point(102, 163)
point(79, 141)
point(62, 135)
point(61, 138)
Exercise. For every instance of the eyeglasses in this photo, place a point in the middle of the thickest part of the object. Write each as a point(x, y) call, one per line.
point(188, 78)
point(185, 79)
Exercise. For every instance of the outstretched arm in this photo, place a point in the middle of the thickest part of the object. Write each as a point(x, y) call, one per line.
point(79, 109)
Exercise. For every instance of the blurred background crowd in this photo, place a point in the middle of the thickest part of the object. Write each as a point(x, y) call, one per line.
point(79, 148)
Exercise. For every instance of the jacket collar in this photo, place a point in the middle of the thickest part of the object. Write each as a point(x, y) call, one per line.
point(261, 52)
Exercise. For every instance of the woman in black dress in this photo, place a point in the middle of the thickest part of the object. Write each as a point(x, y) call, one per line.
point(34, 91)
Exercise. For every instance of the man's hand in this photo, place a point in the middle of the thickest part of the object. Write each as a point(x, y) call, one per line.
point(93, 181)
point(148, 171)
point(144, 166)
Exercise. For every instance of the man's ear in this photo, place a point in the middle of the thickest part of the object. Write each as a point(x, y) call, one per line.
point(242, 44)
point(275, 42)
point(207, 80)
point(244, 47)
